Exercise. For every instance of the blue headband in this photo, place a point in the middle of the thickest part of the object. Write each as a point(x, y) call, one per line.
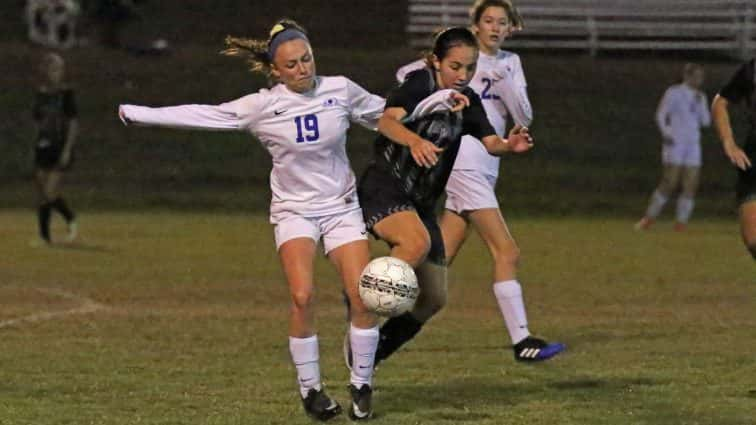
point(283, 36)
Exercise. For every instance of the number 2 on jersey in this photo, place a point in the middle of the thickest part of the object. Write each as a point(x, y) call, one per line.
point(307, 128)
point(485, 94)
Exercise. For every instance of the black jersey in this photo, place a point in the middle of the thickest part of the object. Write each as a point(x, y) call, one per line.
point(424, 186)
point(742, 89)
point(53, 111)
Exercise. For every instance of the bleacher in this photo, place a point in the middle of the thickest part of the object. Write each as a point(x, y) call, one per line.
point(594, 25)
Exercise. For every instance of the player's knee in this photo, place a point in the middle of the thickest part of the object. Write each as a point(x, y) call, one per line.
point(301, 299)
point(414, 248)
point(508, 256)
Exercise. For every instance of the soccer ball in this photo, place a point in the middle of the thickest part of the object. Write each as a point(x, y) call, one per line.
point(388, 286)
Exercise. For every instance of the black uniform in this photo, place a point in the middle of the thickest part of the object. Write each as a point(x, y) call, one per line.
point(742, 89)
point(53, 112)
point(394, 182)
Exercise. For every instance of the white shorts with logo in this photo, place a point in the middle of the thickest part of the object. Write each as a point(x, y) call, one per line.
point(469, 190)
point(684, 154)
point(335, 229)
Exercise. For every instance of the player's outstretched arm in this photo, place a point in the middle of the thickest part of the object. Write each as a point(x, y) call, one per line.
point(198, 117)
point(722, 123)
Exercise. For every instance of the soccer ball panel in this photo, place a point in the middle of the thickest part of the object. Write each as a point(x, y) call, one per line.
point(388, 286)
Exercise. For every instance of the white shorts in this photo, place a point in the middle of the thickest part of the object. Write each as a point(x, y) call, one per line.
point(469, 190)
point(335, 229)
point(684, 154)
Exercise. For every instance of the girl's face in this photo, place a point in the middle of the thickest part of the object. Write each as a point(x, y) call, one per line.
point(294, 65)
point(457, 68)
point(493, 28)
point(696, 78)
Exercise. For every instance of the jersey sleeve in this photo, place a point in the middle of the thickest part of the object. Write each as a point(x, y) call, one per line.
point(365, 108)
point(439, 101)
point(414, 89)
point(235, 115)
point(475, 122)
point(512, 88)
point(740, 85)
point(401, 73)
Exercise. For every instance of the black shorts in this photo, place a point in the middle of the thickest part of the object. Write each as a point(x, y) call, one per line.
point(47, 158)
point(381, 196)
point(746, 187)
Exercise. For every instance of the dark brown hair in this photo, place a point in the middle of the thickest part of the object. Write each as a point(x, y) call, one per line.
point(480, 6)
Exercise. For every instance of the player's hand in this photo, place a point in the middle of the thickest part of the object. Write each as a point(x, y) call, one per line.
point(519, 139)
point(122, 115)
point(459, 101)
point(737, 156)
point(425, 153)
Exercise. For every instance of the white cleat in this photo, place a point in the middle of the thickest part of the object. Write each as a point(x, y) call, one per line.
point(73, 231)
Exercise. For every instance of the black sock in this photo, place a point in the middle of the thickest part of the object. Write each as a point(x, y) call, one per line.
point(43, 217)
point(394, 333)
point(60, 205)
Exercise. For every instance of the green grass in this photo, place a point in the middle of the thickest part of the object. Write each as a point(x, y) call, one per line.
point(659, 327)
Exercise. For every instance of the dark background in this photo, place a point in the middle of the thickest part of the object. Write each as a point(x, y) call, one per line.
point(597, 147)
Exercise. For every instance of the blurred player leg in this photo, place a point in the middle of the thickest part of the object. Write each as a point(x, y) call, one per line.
point(686, 200)
point(669, 182)
point(297, 257)
point(492, 228)
point(350, 259)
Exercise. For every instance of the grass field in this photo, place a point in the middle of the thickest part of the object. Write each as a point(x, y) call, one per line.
point(179, 318)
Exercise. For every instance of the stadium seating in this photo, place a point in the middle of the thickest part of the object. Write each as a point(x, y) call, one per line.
point(594, 25)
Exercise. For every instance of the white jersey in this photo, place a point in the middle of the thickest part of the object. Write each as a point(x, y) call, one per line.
point(305, 134)
point(500, 83)
point(681, 113)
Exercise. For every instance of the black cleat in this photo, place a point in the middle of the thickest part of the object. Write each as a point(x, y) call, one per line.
point(318, 405)
point(361, 408)
point(533, 349)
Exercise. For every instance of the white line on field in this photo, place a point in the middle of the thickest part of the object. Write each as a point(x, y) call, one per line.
point(87, 305)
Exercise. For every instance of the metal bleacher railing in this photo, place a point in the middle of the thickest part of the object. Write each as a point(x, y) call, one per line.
point(593, 25)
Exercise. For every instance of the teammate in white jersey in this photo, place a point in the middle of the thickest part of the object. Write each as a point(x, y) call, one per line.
point(681, 113)
point(302, 121)
point(471, 200)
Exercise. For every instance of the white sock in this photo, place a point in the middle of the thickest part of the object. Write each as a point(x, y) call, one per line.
point(509, 296)
point(364, 342)
point(684, 208)
point(304, 353)
point(656, 204)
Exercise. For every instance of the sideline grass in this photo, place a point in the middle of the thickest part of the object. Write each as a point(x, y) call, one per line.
point(659, 327)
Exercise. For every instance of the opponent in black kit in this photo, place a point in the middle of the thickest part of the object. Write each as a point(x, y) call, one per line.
point(55, 117)
point(740, 89)
point(399, 190)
